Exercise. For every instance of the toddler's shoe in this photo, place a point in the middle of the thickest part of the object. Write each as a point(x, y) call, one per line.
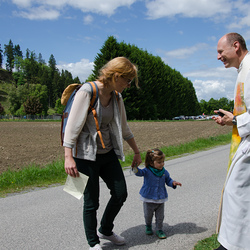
point(114, 238)
point(149, 230)
point(96, 247)
point(161, 234)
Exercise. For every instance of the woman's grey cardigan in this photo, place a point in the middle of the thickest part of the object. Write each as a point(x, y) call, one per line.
point(80, 132)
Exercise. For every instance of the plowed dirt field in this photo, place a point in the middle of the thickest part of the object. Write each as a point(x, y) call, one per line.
point(24, 143)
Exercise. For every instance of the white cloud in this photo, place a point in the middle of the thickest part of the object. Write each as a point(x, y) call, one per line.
point(81, 69)
point(242, 17)
point(22, 3)
point(107, 7)
point(219, 72)
point(88, 19)
point(213, 89)
point(208, 81)
point(39, 13)
point(239, 22)
point(185, 52)
point(187, 8)
point(237, 11)
point(213, 83)
point(212, 38)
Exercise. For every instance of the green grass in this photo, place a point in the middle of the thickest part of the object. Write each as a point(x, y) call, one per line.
point(32, 176)
point(207, 244)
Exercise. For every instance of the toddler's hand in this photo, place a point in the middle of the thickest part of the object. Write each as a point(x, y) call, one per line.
point(175, 183)
point(135, 169)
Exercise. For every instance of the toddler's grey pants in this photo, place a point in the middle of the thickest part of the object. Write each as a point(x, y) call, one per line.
point(149, 210)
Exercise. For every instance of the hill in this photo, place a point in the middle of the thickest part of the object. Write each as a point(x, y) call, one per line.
point(5, 76)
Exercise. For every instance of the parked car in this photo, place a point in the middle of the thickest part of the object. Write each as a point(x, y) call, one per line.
point(176, 118)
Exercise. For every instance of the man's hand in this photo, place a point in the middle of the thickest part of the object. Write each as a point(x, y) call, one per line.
point(226, 119)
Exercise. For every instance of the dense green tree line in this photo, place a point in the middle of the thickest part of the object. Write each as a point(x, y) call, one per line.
point(164, 92)
point(209, 107)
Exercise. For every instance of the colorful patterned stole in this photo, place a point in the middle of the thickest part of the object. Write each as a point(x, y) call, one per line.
point(239, 108)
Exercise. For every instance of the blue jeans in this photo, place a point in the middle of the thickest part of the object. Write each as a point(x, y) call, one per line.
point(106, 166)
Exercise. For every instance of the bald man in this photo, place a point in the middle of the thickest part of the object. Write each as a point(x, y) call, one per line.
point(234, 218)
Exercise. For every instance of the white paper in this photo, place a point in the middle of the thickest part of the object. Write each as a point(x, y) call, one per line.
point(76, 186)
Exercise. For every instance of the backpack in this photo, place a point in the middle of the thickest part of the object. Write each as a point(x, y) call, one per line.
point(67, 99)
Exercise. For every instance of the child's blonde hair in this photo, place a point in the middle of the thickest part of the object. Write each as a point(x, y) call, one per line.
point(153, 155)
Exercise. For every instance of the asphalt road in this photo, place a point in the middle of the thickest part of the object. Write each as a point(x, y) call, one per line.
point(50, 218)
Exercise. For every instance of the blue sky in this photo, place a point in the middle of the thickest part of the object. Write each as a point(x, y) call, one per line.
point(184, 33)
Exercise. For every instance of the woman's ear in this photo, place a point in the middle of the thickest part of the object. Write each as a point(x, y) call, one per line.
point(116, 76)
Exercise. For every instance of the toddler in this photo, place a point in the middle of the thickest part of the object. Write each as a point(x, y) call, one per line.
point(153, 192)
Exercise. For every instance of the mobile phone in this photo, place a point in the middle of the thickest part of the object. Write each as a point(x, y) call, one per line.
point(220, 114)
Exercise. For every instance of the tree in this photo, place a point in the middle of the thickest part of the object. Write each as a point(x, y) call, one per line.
point(90, 78)
point(9, 53)
point(33, 70)
point(18, 56)
point(59, 107)
point(52, 63)
point(33, 106)
point(77, 80)
point(18, 96)
point(204, 107)
point(27, 53)
point(40, 59)
point(19, 78)
point(14, 99)
point(41, 92)
point(1, 109)
point(164, 92)
point(51, 83)
point(209, 107)
point(1, 57)
point(109, 50)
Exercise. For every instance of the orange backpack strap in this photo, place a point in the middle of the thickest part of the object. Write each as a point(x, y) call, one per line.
point(93, 101)
point(94, 94)
point(97, 126)
point(117, 95)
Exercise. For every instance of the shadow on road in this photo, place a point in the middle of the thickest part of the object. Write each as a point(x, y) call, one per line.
point(184, 228)
point(136, 236)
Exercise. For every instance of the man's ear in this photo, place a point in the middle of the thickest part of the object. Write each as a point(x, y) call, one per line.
point(236, 45)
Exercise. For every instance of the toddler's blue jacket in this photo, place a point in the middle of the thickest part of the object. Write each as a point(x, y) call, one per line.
point(154, 186)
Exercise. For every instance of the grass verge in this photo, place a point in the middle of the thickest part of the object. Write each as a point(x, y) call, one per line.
point(190, 147)
point(207, 244)
point(31, 177)
point(34, 176)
